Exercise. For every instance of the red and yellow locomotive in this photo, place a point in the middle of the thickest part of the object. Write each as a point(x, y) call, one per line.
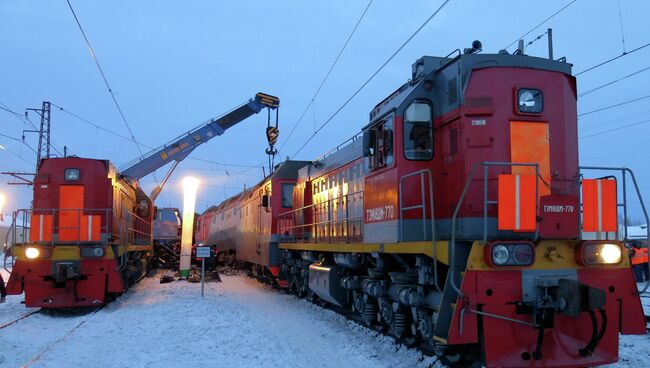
point(461, 220)
point(89, 235)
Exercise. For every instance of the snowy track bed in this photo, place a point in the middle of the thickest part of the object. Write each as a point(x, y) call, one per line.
point(239, 323)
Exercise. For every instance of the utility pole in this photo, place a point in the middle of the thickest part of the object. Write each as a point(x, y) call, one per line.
point(43, 144)
point(43, 133)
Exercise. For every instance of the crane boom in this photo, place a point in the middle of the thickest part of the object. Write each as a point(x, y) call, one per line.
point(180, 148)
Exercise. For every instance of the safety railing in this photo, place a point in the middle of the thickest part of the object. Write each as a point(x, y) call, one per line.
point(78, 226)
point(624, 172)
point(486, 202)
point(332, 220)
point(422, 174)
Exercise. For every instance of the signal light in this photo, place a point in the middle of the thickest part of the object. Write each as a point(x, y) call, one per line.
point(509, 254)
point(91, 252)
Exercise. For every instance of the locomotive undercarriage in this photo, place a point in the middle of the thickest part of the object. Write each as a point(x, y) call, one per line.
point(392, 293)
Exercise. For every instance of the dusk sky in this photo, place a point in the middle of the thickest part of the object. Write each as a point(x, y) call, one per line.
point(174, 64)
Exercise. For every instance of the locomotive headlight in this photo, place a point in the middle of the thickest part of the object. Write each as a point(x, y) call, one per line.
point(512, 254)
point(32, 253)
point(500, 255)
point(91, 252)
point(530, 100)
point(592, 253)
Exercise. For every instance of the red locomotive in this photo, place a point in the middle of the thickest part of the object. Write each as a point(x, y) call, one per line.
point(460, 220)
point(90, 226)
point(89, 235)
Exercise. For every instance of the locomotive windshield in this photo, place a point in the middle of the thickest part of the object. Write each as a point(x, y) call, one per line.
point(418, 133)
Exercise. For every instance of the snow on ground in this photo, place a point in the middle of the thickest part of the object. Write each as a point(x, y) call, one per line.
point(239, 323)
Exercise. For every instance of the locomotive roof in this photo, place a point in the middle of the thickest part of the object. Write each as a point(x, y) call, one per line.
point(440, 70)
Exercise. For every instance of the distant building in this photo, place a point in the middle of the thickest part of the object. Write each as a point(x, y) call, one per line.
point(638, 233)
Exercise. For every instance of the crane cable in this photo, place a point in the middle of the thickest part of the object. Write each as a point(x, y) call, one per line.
point(373, 76)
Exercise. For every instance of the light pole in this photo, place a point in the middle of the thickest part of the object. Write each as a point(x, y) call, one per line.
point(3, 199)
point(190, 187)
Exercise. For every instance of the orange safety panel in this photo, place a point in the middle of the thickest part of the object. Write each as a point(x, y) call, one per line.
point(599, 208)
point(71, 204)
point(90, 227)
point(40, 228)
point(517, 203)
point(529, 143)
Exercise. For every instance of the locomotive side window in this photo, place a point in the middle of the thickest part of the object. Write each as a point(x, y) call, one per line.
point(378, 145)
point(287, 195)
point(418, 132)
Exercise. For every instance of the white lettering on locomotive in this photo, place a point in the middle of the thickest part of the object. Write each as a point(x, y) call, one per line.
point(382, 213)
point(558, 208)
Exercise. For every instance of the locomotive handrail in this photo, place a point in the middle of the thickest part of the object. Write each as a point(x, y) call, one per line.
point(623, 171)
point(131, 226)
point(424, 213)
point(329, 221)
point(452, 243)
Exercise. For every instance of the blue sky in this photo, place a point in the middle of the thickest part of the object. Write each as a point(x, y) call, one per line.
point(174, 64)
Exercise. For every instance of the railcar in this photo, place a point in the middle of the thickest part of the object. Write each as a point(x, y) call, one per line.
point(460, 220)
point(244, 226)
point(87, 236)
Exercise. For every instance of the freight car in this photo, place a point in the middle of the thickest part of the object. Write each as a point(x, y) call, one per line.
point(460, 220)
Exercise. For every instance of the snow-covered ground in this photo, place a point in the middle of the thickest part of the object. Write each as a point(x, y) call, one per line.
point(240, 322)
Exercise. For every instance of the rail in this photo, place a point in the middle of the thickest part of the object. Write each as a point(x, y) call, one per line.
point(623, 172)
point(452, 243)
point(288, 232)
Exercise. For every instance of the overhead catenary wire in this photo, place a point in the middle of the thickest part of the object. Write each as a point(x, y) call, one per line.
point(616, 129)
point(613, 106)
point(105, 130)
point(322, 83)
point(612, 82)
point(373, 75)
point(541, 23)
point(612, 59)
point(101, 72)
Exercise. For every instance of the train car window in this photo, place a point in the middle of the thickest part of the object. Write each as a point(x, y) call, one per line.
point(418, 132)
point(378, 145)
point(287, 195)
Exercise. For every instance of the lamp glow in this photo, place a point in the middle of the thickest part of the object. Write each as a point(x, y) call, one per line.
point(32, 253)
point(610, 253)
point(190, 187)
point(3, 200)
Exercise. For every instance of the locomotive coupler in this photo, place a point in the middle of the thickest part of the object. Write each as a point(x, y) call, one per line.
point(548, 293)
point(63, 271)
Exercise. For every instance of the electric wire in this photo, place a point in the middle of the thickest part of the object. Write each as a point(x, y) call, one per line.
point(620, 19)
point(101, 71)
point(10, 137)
point(613, 106)
point(373, 76)
point(105, 130)
point(322, 83)
point(612, 59)
point(540, 24)
point(616, 129)
point(612, 82)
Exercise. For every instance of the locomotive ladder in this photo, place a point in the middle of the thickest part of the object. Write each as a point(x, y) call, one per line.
point(423, 174)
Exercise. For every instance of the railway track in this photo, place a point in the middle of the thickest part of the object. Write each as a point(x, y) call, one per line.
point(49, 346)
point(26, 315)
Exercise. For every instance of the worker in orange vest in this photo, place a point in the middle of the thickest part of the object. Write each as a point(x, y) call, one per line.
point(640, 262)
